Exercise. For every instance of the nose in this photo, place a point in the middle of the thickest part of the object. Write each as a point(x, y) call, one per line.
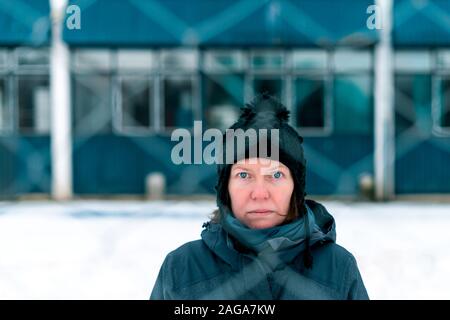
point(259, 192)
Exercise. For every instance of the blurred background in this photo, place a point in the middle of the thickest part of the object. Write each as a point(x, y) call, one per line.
point(91, 90)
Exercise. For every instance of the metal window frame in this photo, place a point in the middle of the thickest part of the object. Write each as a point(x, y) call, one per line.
point(372, 84)
point(77, 67)
point(8, 128)
point(196, 112)
point(30, 68)
point(18, 128)
point(268, 76)
point(153, 55)
point(164, 53)
point(75, 130)
point(206, 75)
point(110, 72)
point(334, 73)
point(17, 71)
point(438, 74)
point(4, 52)
point(297, 51)
point(207, 58)
point(410, 69)
point(284, 55)
point(117, 120)
point(437, 106)
point(359, 69)
point(327, 129)
point(326, 73)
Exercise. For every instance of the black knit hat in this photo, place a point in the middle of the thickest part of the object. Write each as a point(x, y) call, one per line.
point(266, 112)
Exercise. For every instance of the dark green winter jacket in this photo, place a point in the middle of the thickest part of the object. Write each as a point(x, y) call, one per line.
point(220, 267)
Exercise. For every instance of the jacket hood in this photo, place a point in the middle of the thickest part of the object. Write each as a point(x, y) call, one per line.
point(219, 241)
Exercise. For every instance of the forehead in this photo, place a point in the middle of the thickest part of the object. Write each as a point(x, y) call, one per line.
point(258, 163)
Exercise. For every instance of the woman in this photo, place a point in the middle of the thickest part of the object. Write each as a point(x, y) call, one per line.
point(265, 241)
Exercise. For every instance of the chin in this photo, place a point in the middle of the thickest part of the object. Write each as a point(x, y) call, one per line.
point(262, 224)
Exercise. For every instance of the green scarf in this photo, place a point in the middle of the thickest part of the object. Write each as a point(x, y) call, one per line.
point(276, 245)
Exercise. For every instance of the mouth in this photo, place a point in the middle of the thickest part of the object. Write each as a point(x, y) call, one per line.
point(261, 211)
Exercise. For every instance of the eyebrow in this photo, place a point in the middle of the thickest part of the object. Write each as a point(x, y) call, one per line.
point(240, 167)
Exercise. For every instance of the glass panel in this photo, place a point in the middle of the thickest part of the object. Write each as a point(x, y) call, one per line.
point(92, 59)
point(350, 60)
point(224, 61)
point(135, 93)
point(353, 104)
point(180, 60)
point(136, 60)
point(30, 57)
point(444, 112)
point(309, 59)
point(3, 107)
point(224, 95)
point(273, 86)
point(413, 103)
point(267, 60)
point(309, 105)
point(444, 59)
point(92, 104)
point(419, 61)
point(3, 59)
point(178, 102)
point(34, 104)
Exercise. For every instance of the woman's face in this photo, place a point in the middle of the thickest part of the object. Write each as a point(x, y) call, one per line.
point(260, 191)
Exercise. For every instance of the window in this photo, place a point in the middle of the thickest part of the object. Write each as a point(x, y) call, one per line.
point(92, 91)
point(223, 98)
point(3, 107)
point(346, 60)
point(412, 61)
point(309, 108)
point(32, 57)
point(3, 59)
point(178, 102)
point(34, 104)
point(267, 60)
point(135, 102)
point(353, 110)
point(91, 59)
point(136, 60)
point(413, 103)
point(270, 84)
point(228, 61)
point(309, 60)
point(352, 92)
point(180, 59)
point(444, 106)
point(92, 103)
point(309, 102)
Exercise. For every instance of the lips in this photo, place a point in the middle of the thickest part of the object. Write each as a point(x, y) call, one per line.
point(261, 211)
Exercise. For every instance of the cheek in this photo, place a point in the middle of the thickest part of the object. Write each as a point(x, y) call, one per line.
point(238, 195)
point(283, 196)
point(239, 198)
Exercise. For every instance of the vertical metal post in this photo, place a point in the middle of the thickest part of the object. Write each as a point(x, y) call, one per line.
point(61, 139)
point(384, 106)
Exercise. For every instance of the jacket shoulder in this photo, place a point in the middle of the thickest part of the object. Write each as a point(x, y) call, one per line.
point(330, 264)
point(192, 262)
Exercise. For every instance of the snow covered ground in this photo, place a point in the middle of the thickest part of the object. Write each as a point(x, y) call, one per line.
point(113, 249)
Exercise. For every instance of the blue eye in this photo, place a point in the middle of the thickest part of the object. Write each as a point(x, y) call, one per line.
point(277, 175)
point(243, 175)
